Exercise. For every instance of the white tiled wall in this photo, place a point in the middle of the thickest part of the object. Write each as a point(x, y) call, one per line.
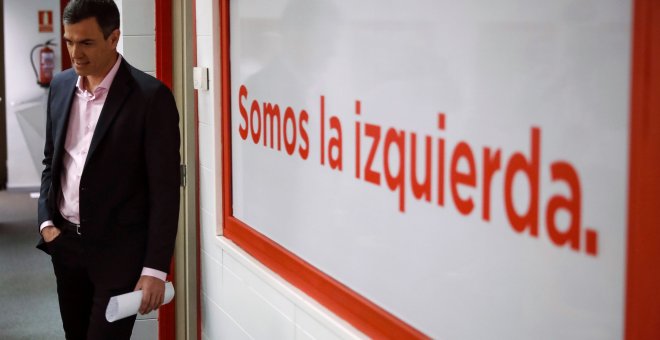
point(241, 298)
point(138, 33)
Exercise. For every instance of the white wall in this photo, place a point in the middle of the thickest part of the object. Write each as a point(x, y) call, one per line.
point(21, 33)
point(138, 36)
point(241, 298)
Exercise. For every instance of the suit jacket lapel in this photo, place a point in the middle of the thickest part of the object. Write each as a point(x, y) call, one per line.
point(117, 94)
point(60, 118)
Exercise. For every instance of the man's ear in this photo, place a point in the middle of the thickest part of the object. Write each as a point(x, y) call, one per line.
point(114, 37)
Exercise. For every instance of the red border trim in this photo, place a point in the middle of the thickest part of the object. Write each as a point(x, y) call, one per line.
point(360, 312)
point(225, 98)
point(66, 61)
point(166, 314)
point(164, 41)
point(643, 292)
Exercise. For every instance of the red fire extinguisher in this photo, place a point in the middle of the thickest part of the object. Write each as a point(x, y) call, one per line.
point(46, 63)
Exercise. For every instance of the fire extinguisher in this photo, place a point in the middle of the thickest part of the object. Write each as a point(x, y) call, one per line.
point(46, 63)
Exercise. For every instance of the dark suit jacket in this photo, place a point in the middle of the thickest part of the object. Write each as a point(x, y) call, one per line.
point(129, 188)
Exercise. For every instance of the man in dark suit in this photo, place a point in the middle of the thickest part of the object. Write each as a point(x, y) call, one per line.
point(109, 204)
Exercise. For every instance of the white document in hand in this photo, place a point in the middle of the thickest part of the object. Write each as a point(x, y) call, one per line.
point(125, 305)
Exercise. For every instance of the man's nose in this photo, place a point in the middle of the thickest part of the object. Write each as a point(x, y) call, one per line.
point(75, 51)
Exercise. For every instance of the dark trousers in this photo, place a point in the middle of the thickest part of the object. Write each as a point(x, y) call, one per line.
point(83, 295)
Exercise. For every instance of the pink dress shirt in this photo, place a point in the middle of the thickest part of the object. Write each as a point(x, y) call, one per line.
point(85, 111)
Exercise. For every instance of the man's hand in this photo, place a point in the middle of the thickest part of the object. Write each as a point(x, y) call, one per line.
point(49, 233)
point(153, 293)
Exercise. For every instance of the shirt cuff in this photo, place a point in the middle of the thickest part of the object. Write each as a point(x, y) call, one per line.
point(154, 273)
point(48, 223)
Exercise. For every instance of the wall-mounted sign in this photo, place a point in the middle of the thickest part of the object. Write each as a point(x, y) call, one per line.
point(45, 21)
point(462, 165)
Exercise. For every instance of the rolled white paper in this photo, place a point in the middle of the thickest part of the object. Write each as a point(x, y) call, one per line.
point(125, 305)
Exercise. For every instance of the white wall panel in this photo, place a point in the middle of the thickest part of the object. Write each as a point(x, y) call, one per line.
point(139, 19)
point(204, 17)
point(205, 105)
point(308, 325)
point(259, 287)
point(212, 282)
point(302, 335)
point(138, 33)
point(253, 301)
point(216, 324)
point(253, 313)
point(206, 158)
point(140, 51)
point(207, 189)
point(208, 236)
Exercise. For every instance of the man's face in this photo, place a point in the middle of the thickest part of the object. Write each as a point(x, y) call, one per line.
point(91, 54)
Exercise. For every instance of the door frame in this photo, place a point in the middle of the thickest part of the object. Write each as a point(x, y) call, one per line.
point(174, 63)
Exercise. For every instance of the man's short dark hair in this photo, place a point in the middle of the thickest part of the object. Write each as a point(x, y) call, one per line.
point(105, 12)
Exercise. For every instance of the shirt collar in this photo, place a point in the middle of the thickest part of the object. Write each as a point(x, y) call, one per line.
point(107, 81)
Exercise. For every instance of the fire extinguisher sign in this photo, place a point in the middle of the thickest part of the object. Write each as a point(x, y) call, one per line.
point(45, 21)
